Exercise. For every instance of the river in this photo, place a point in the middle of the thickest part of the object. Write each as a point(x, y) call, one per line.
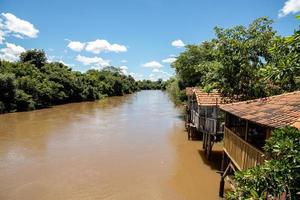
point(132, 147)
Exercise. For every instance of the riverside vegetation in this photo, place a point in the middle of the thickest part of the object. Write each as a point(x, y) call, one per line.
point(247, 63)
point(34, 83)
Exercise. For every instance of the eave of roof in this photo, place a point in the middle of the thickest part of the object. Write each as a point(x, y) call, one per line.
point(208, 99)
point(275, 111)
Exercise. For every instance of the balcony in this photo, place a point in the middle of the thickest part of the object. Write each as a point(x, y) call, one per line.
point(241, 153)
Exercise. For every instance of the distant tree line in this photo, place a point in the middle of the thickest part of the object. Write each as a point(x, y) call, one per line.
point(241, 62)
point(34, 83)
point(151, 85)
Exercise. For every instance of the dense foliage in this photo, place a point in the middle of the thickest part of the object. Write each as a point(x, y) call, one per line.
point(151, 85)
point(174, 92)
point(277, 177)
point(242, 62)
point(34, 83)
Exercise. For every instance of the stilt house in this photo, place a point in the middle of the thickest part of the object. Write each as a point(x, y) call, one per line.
point(206, 118)
point(189, 105)
point(249, 123)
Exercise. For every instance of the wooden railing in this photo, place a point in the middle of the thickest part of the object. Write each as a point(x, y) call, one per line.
point(195, 118)
point(210, 125)
point(242, 154)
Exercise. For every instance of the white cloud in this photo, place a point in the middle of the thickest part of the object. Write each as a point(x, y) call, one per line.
point(152, 64)
point(159, 74)
point(117, 48)
point(18, 36)
point(169, 60)
point(123, 61)
point(11, 52)
point(137, 76)
point(2, 34)
point(290, 6)
point(98, 46)
point(124, 69)
point(18, 27)
point(76, 45)
point(177, 43)
point(96, 61)
point(152, 77)
point(66, 64)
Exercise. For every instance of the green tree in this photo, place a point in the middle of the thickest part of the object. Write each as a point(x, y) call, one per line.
point(24, 101)
point(7, 92)
point(191, 64)
point(36, 57)
point(242, 52)
point(284, 68)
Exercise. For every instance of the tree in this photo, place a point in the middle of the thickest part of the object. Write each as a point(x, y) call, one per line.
point(190, 64)
point(24, 101)
point(7, 92)
point(242, 52)
point(284, 68)
point(231, 62)
point(36, 57)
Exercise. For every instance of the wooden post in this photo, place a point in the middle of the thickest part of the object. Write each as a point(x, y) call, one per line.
point(222, 181)
point(221, 188)
point(247, 130)
point(203, 140)
point(223, 162)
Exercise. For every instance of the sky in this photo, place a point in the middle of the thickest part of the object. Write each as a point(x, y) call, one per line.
point(141, 37)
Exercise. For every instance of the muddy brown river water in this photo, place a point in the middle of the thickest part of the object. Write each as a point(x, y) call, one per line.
point(121, 148)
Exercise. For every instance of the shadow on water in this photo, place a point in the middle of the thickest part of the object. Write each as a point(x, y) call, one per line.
point(197, 136)
point(215, 160)
point(181, 116)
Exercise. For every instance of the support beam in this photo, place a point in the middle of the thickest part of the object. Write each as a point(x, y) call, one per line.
point(247, 130)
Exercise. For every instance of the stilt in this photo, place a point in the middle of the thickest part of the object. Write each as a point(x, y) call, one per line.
point(230, 169)
point(189, 131)
point(222, 185)
point(222, 182)
point(208, 146)
point(203, 140)
point(223, 162)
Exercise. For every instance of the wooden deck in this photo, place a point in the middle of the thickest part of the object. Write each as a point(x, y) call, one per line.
point(241, 153)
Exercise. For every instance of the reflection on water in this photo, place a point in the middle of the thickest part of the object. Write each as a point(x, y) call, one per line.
point(131, 147)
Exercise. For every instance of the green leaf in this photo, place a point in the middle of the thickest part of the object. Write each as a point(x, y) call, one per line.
point(298, 16)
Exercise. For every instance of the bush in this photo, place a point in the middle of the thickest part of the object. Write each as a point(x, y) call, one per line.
point(7, 92)
point(24, 101)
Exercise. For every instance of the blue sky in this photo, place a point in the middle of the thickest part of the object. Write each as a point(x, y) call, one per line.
point(140, 36)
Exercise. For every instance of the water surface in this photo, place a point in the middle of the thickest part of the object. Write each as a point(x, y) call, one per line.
point(131, 147)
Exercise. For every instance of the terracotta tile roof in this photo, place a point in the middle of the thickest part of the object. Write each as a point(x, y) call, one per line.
point(189, 91)
point(208, 99)
point(275, 111)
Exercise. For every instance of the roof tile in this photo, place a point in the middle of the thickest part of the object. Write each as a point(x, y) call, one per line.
point(275, 111)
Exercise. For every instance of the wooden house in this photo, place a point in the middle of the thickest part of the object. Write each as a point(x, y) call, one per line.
point(189, 104)
point(247, 126)
point(206, 118)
